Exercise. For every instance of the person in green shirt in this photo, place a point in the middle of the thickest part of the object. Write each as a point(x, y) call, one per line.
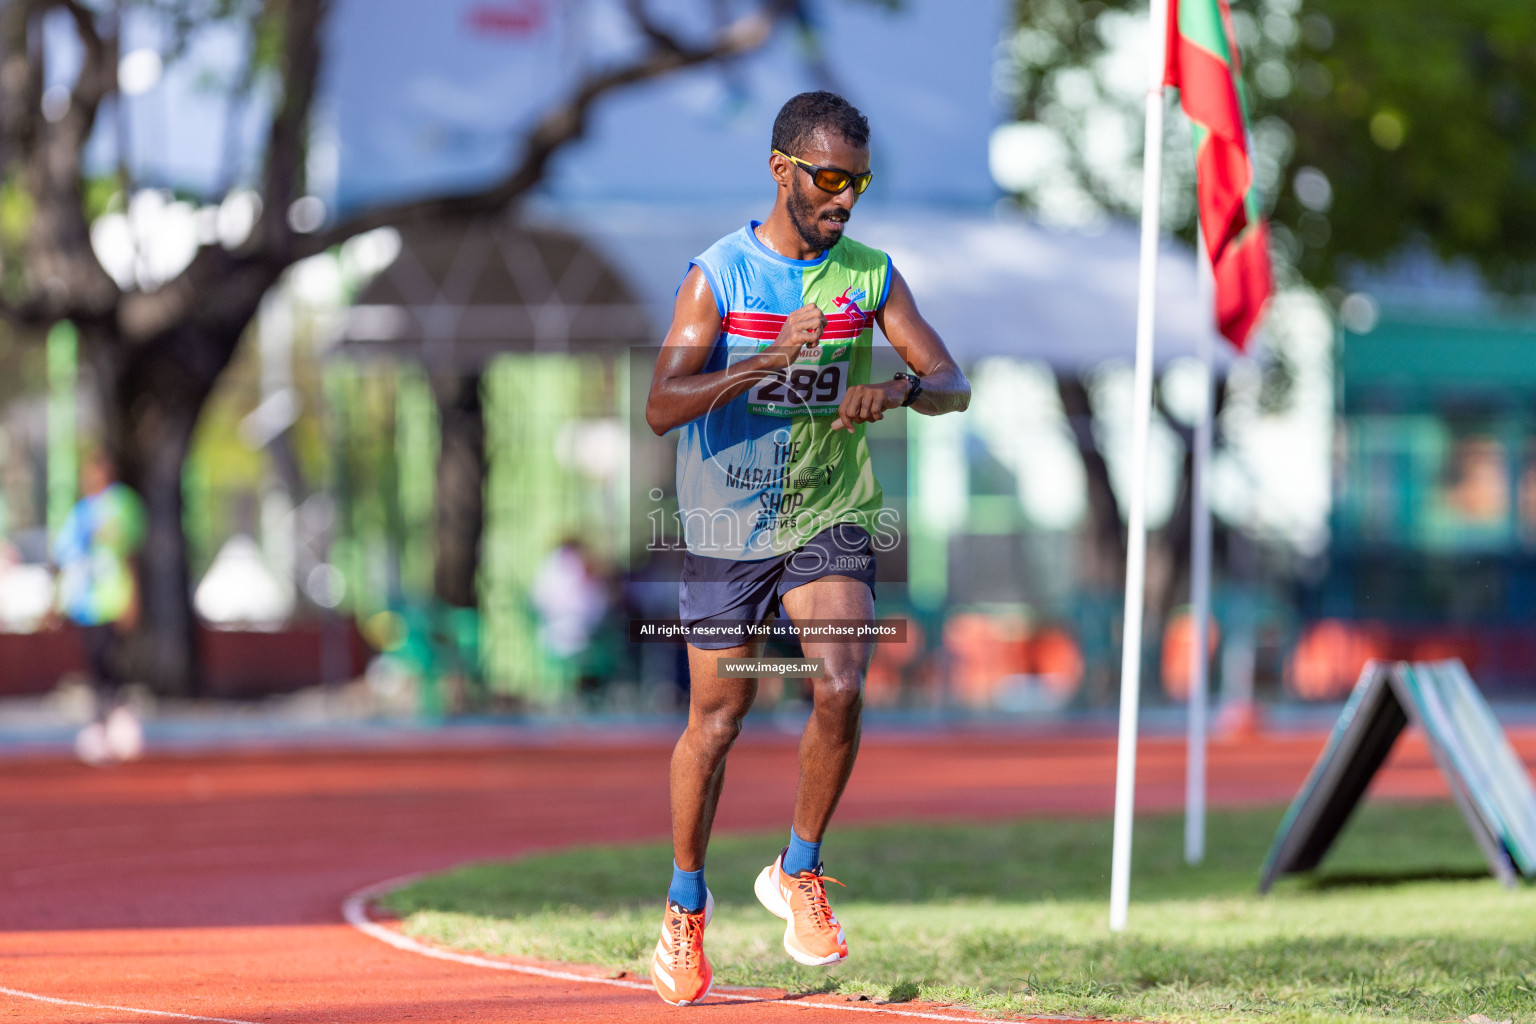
point(98, 590)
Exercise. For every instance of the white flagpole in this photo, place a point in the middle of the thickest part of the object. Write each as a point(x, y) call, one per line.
point(1200, 578)
point(1136, 541)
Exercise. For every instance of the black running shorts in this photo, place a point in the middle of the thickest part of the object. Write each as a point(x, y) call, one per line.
point(724, 592)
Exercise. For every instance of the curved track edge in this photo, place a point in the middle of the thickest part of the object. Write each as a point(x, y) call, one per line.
point(354, 909)
point(54, 1000)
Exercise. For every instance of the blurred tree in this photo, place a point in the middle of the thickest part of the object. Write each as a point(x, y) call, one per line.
point(156, 350)
point(1102, 565)
point(1414, 124)
point(1377, 127)
point(461, 473)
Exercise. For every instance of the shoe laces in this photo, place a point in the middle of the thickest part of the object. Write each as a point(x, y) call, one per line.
point(687, 932)
point(814, 885)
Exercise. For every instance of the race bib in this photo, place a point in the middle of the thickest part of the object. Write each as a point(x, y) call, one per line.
point(812, 385)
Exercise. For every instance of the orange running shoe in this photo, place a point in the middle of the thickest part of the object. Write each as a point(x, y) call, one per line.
point(679, 969)
point(812, 935)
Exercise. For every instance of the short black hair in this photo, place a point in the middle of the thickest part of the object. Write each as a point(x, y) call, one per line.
point(803, 114)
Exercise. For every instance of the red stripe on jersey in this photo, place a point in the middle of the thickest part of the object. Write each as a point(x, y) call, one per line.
point(766, 326)
point(759, 326)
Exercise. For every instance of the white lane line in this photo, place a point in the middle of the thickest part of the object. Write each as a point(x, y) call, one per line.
point(355, 910)
point(18, 993)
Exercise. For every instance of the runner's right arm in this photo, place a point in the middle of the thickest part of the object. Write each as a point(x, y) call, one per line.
point(680, 391)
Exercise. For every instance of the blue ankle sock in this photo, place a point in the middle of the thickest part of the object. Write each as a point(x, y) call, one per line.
point(801, 855)
point(687, 889)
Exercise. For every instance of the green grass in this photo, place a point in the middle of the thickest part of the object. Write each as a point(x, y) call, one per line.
point(1402, 923)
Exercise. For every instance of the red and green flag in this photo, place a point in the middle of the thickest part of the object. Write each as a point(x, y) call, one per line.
point(1203, 66)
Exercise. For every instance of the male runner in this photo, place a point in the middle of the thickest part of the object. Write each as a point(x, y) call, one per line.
point(766, 368)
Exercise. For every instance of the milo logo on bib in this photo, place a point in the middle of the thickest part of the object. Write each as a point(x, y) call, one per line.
point(815, 383)
point(812, 385)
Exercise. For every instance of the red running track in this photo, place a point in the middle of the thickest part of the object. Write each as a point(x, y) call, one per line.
point(211, 885)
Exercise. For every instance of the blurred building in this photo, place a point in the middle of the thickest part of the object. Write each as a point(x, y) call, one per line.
point(1434, 528)
point(540, 324)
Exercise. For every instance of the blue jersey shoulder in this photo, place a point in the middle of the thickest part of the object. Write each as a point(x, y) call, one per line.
point(717, 263)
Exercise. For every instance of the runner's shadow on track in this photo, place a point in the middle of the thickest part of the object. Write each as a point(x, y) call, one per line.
point(1351, 880)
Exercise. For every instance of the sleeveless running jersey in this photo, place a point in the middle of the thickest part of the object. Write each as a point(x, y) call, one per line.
point(762, 474)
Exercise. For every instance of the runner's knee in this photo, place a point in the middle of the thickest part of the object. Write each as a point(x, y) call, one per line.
point(841, 693)
point(718, 729)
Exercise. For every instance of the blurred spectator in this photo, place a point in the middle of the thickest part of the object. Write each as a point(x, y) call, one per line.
point(891, 668)
point(1179, 652)
point(999, 659)
point(1056, 661)
point(572, 596)
point(985, 649)
point(1329, 656)
point(650, 592)
point(98, 589)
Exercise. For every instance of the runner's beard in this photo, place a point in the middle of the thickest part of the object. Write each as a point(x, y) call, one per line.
point(811, 228)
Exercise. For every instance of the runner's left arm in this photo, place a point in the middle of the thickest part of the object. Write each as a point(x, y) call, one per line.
point(945, 388)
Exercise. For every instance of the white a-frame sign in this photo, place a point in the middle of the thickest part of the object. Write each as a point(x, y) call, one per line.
point(1490, 785)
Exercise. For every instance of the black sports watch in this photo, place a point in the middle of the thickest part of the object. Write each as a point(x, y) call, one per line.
point(912, 392)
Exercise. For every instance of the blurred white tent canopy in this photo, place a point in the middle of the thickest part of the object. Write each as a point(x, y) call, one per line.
point(991, 284)
point(240, 589)
point(424, 97)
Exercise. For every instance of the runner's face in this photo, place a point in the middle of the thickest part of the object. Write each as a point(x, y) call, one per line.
point(818, 216)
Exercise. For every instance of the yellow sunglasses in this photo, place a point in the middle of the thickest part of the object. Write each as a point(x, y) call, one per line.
point(831, 179)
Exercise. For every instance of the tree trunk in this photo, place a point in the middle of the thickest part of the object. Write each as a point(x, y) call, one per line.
point(1101, 548)
point(1104, 538)
point(1104, 554)
point(1168, 549)
point(165, 648)
point(151, 396)
point(461, 471)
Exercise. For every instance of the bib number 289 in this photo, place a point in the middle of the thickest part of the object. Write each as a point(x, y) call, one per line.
point(801, 390)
